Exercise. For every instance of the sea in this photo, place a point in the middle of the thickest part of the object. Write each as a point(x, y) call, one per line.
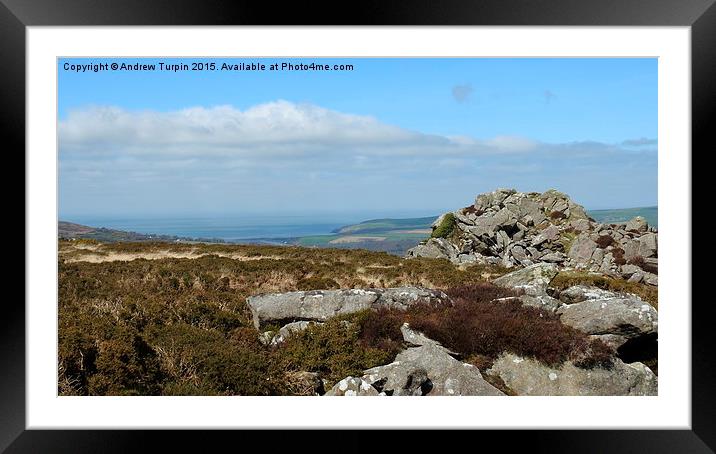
point(229, 229)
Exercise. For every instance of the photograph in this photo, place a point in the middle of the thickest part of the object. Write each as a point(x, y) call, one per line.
point(358, 226)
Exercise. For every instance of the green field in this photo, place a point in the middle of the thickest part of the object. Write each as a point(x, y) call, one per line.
point(387, 225)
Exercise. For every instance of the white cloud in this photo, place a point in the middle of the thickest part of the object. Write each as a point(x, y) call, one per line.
point(297, 156)
point(275, 129)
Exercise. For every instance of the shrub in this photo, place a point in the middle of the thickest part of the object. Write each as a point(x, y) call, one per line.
point(316, 283)
point(481, 328)
point(618, 254)
point(445, 228)
point(489, 328)
point(605, 241)
point(555, 215)
point(124, 310)
point(381, 329)
point(196, 359)
point(333, 349)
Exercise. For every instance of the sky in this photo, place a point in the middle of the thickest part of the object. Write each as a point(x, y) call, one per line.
point(394, 137)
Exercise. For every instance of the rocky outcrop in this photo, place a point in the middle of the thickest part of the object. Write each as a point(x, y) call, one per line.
point(625, 316)
point(528, 377)
point(615, 318)
point(513, 228)
point(427, 369)
point(320, 305)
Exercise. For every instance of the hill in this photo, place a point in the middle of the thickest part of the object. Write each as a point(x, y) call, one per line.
point(70, 230)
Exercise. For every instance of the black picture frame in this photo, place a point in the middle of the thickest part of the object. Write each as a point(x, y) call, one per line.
point(16, 15)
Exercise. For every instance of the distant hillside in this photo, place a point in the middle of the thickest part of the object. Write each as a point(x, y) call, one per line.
point(385, 225)
point(388, 225)
point(70, 230)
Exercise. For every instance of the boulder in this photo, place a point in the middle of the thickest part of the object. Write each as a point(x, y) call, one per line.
point(651, 279)
point(551, 233)
point(638, 224)
point(545, 302)
point(650, 242)
point(533, 279)
point(582, 248)
point(626, 316)
point(580, 225)
point(639, 248)
point(429, 370)
point(320, 305)
point(528, 377)
point(434, 248)
point(629, 269)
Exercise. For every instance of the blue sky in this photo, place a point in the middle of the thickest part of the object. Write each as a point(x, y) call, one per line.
point(407, 136)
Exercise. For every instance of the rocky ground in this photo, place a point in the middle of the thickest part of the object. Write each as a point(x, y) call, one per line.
point(519, 294)
point(513, 228)
point(539, 235)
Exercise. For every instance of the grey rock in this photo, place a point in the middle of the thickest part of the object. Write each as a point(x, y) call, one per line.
point(636, 277)
point(518, 252)
point(435, 248)
point(320, 305)
point(429, 370)
point(545, 302)
point(651, 279)
point(489, 199)
point(580, 225)
point(533, 279)
point(607, 263)
point(628, 269)
point(637, 223)
point(554, 257)
point(638, 248)
point(582, 249)
point(579, 293)
point(289, 329)
point(649, 242)
point(551, 233)
point(460, 217)
point(528, 377)
point(612, 340)
point(627, 316)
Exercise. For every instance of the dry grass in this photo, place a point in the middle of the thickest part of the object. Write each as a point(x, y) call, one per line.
point(567, 279)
